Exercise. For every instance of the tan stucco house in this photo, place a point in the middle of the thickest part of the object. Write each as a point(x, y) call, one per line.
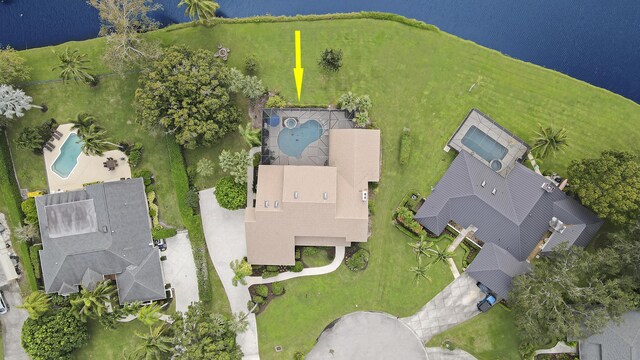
point(303, 205)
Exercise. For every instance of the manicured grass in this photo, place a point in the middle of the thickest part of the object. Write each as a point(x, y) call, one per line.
point(488, 336)
point(110, 344)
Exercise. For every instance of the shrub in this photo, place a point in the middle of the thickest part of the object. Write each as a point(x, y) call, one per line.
point(276, 101)
point(231, 195)
point(405, 217)
point(331, 60)
point(262, 290)
point(372, 208)
point(135, 156)
point(277, 288)
point(30, 212)
point(251, 64)
point(298, 266)
point(310, 250)
point(405, 146)
point(273, 268)
point(258, 299)
point(361, 119)
point(250, 307)
point(268, 274)
point(153, 212)
point(192, 199)
point(297, 254)
point(53, 336)
point(144, 174)
point(159, 232)
point(358, 261)
point(299, 355)
point(30, 138)
point(35, 260)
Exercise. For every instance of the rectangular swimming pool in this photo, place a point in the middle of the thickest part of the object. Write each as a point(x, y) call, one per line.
point(483, 145)
point(68, 158)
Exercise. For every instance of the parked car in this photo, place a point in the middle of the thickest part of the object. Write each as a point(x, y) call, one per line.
point(485, 304)
point(161, 244)
point(4, 307)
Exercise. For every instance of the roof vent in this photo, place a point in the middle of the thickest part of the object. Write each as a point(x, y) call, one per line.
point(295, 194)
point(548, 187)
point(325, 195)
point(105, 229)
point(365, 195)
point(266, 203)
point(483, 183)
point(494, 191)
point(556, 225)
point(275, 204)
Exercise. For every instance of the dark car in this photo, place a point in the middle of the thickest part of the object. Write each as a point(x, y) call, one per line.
point(161, 244)
point(4, 307)
point(485, 304)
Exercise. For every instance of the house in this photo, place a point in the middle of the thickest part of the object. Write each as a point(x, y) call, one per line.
point(100, 232)
point(519, 212)
point(616, 341)
point(313, 205)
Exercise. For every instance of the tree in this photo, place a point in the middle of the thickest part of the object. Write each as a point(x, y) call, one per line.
point(356, 105)
point(421, 247)
point(30, 138)
point(235, 164)
point(331, 60)
point(29, 233)
point(36, 304)
point(187, 93)
point(609, 185)
point(251, 64)
point(200, 9)
point(420, 271)
point(441, 255)
point(252, 87)
point(238, 323)
point(122, 21)
point(626, 252)
point(205, 167)
point(155, 344)
point(54, 335)
point(14, 102)
point(94, 142)
point(230, 194)
point(569, 293)
point(250, 135)
point(348, 101)
point(549, 141)
point(200, 334)
point(149, 314)
point(241, 269)
point(13, 68)
point(85, 124)
point(73, 66)
point(92, 304)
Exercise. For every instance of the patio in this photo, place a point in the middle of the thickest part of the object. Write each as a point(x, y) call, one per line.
point(88, 169)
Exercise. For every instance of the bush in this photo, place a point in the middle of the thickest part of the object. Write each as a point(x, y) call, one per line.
point(30, 212)
point(35, 260)
point(276, 102)
point(268, 274)
point(159, 232)
point(331, 60)
point(405, 146)
point(53, 336)
point(405, 217)
point(297, 253)
point(298, 266)
point(310, 250)
point(251, 64)
point(258, 299)
point(250, 307)
point(231, 195)
point(135, 155)
point(299, 355)
point(277, 288)
point(273, 268)
point(358, 261)
point(192, 199)
point(262, 290)
point(153, 212)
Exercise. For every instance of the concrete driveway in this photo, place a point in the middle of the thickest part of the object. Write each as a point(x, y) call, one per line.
point(12, 324)
point(225, 236)
point(180, 271)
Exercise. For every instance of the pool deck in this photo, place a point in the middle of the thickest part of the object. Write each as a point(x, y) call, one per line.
point(88, 169)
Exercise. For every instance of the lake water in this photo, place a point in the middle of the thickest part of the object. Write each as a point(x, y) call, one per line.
point(597, 41)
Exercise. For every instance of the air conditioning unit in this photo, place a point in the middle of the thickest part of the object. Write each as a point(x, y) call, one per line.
point(365, 195)
point(548, 187)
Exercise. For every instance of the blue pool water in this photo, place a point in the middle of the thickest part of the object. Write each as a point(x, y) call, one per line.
point(68, 158)
point(293, 141)
point(483, 145)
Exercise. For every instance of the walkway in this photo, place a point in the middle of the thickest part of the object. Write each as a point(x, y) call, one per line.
point(453, 305)
point(180, 271)
point(12, 324)
point(224, 233)
point(456, 242)
point(560, 348)
point(321, 270)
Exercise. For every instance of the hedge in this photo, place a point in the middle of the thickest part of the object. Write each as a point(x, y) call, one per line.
point(10, 196)
point(192, 222)
point(405, 146)
point(35, 260)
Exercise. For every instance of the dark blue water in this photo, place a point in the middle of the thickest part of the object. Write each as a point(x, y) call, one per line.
point(597, 41)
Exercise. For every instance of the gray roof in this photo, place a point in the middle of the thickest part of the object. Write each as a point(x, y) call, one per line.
point(620, 342)
point(514, 218)
point(495, 268)
point(102, 230)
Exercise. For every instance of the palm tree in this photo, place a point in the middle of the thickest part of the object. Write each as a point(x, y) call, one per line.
point(36, 304)
point(421, 247)
point(549, 141)
point(154, 344)
point(149, 315)
point(83, 123)
point(250, 136)
point(441, 255)
point(200, 9)
point(421, 271)
point(94, 143)
point(241, 269)
point(73, 67)
point(92, 304)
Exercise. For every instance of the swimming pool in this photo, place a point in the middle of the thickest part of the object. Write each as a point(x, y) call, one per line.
point(483, 145)
point(292, 142)
point(68, 158)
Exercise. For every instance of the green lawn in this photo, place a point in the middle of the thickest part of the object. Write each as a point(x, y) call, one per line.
point(415, 78)
point(110, 344)
point(321, 258)
point(488, 336)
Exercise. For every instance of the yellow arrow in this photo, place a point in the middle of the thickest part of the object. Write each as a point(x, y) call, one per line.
point(298, 71)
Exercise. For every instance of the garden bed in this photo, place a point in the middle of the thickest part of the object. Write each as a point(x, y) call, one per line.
point(263, 294)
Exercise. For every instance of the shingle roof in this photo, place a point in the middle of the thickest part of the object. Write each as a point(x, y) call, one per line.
point(495, 268)
point(514, 218)
point(103, 238)
point(620, 342)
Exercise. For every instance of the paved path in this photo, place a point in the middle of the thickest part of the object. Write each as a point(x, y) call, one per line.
point(321, 270)
point(456, 242)
point(12, 324)
point(453, 305)
point(560, 347)
point(444, 354)
point(225, 236)
point(180, 271)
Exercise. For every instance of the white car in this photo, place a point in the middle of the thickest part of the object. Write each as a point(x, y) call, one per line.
point(4, 307)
